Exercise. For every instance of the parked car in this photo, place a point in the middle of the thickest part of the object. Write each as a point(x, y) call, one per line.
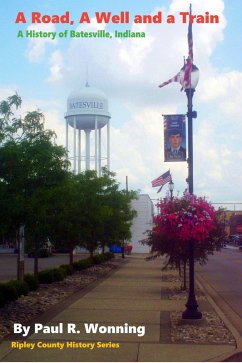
point(235, 239)
point(44, 251)
point(118, 249)
point(128, 249)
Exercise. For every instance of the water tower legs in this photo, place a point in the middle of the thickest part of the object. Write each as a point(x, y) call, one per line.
point(67, 145)
point(99, 152)
point(74, 144)
point(96, 154)
point(76, 156)
point(108, 145)
point(87, 149)
point(79, 152)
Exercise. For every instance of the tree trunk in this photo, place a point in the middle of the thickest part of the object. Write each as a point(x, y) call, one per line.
point(71, 257)
point(179, 268)
point(122, 249)
point(36, 261)
point(184, 275)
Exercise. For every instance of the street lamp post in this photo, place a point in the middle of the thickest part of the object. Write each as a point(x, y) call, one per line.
point(191, 312)
point(171, 188)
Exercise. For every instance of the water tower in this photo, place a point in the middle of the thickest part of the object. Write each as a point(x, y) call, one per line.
point(87, 111)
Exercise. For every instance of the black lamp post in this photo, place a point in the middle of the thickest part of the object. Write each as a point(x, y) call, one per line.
point(191, 312)
point(171, 188)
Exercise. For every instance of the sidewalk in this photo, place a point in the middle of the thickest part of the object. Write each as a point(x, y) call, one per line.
point(134, 296)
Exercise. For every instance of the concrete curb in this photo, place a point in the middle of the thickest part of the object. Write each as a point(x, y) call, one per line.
point(210, 293)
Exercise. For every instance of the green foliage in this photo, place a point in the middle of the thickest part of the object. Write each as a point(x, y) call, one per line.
point(51, 275)
point(3, 299)
point(8, 292)
point(99, 259)
point(83, 264)
point(32, 281)
point(59, 274)
point(103, 257)
point(94, 260)
point(11, 290)
point(109, 255)
point(31, 166)
point(68, 269)
point(91, 211)
point(21, 287)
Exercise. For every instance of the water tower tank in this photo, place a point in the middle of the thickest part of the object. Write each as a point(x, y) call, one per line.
point(85, 106)
point(87, 110)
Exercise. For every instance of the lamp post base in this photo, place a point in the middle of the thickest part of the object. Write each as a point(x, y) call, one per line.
point(191, 312)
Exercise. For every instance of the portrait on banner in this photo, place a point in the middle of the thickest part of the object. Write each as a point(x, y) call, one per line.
point(174, 138)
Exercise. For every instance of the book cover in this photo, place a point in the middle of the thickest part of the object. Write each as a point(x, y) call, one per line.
point(101, 74)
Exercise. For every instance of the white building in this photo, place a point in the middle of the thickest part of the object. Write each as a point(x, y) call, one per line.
point(142, 222)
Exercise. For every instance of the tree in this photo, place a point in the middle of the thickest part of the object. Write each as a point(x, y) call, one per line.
point(117, 222)
point(65, 210)
point(95, 194)
point(31, 165)
point(90, 211)
point(9, 124)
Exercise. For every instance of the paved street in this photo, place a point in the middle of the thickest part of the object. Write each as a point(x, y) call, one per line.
point(223, 273)
point(8, 264)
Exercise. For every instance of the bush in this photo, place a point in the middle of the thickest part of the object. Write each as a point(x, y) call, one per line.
point(83, 264)
point(45, 277)
point(109, 255)
point(99, 259)
point(95, 260)
point(103, 257)
point(10, 291)
point(51, 275)
point(7, 293)
point(68, 269)
point(59, 274)
point(3, 298)
point(32, 282)
point(21, 287)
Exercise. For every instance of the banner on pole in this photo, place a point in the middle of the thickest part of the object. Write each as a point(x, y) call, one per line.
point(174, 138)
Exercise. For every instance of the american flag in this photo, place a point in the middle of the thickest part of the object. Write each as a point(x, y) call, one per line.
point(161, 180)
point(176, 78)
point(188, 68)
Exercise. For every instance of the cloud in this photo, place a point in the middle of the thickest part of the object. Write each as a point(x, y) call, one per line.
point(56, 67)
point(224, 88)
point(36, 49)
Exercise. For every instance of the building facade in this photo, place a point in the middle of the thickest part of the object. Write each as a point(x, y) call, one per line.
point(142, 222)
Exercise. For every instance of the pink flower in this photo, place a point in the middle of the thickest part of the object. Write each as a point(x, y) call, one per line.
point(189, 217)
